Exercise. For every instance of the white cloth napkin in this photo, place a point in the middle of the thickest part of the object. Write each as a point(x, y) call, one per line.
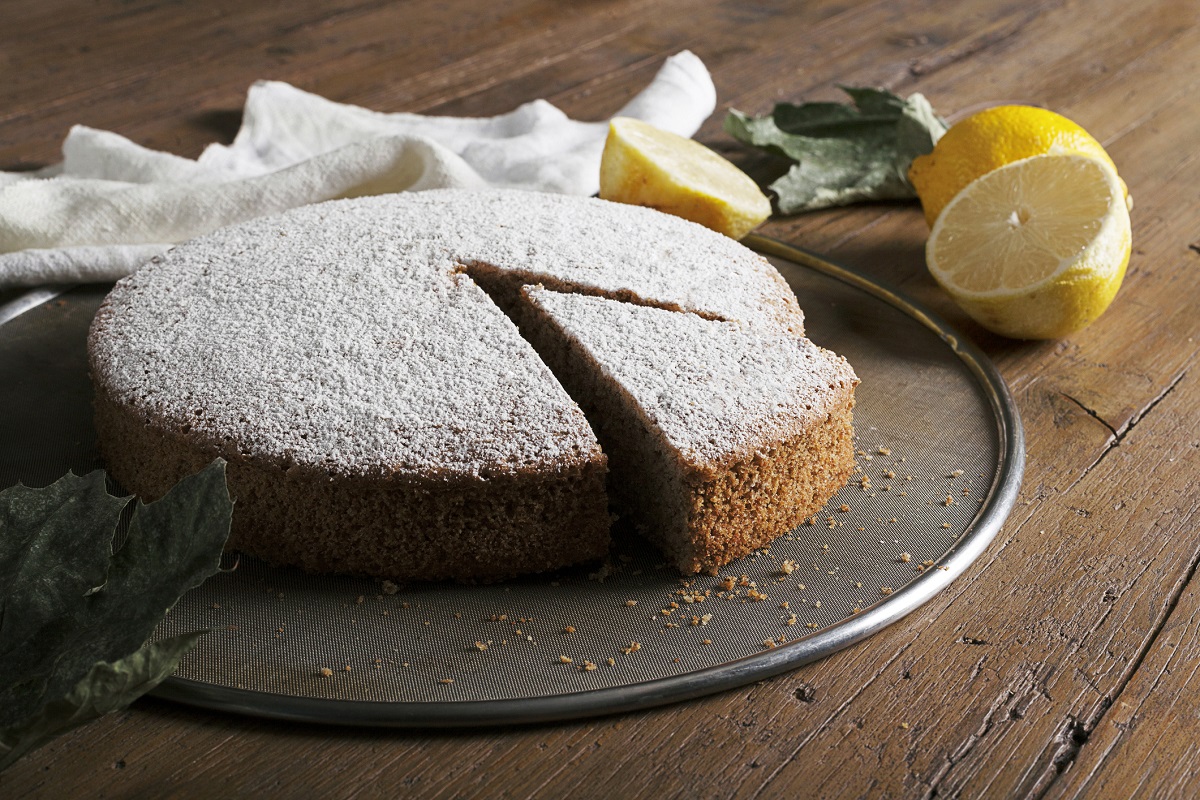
point(111, 204)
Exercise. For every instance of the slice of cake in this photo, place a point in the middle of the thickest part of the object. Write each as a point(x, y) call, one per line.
point(719, 438)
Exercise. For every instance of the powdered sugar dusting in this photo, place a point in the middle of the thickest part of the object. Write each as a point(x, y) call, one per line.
point(714, 389)
point(340, 337)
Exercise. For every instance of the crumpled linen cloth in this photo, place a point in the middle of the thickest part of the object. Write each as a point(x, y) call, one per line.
point(111, 205)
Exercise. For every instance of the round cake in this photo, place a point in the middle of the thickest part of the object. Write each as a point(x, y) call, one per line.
point(357, 365)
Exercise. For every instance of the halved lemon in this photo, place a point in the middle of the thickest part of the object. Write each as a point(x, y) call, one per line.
point(646, 166)
point(1035, 249)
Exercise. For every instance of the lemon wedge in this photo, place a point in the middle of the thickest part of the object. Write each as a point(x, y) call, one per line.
point(646, 166)
point(1035, 249)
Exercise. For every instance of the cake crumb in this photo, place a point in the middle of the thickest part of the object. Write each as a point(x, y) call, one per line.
point(885, 590)
point(905, 557)
point(326, 672)
point(631, 603)
point(612, 662)
point(566, 660)
point(602, 573)
point(446, 680)
point(480, 646)
point(569, 629)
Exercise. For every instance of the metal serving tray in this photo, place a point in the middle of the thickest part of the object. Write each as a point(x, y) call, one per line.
point(934, 420)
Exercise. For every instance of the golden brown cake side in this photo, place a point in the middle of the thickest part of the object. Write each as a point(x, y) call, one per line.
point(762, 495)
point(417, 529)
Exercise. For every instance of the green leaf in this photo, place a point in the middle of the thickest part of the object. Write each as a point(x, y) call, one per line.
point(107, 687)
point(69, 601)
point(845, 154)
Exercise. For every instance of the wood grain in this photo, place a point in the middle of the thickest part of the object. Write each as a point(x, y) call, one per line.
point(1063, 664)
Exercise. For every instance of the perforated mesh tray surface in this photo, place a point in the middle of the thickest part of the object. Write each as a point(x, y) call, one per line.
point(940, 454)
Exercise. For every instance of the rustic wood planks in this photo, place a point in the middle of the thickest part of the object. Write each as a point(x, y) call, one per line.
point(1063, 664)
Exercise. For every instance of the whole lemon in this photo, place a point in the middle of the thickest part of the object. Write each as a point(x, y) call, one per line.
point(990, 139)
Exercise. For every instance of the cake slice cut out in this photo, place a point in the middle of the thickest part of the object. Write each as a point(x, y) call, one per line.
point(719, 438)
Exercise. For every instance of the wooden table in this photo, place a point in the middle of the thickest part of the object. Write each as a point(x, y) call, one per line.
point(1064, 663)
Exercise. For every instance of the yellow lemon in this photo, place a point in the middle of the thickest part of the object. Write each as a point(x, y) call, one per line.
point(647, 166)
point(988, 140)
point(1035, 249)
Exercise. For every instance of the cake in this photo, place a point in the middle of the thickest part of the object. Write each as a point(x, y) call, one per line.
point(719, 438)
point(356, 364)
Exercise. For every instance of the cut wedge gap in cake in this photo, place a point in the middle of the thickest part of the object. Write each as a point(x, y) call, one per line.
point(720, 439)
point(504, 286)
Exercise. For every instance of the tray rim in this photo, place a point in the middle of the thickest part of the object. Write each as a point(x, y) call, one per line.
point(699, 683)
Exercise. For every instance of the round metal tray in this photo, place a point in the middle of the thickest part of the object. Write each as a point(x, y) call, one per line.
point(940, 446)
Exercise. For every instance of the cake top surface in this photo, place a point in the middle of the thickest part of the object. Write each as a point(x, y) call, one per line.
point(344, 337)
point(714, 389)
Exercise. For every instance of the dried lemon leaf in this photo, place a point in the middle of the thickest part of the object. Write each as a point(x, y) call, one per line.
point(72, 598)
point(107, 687)
point(844, 153)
